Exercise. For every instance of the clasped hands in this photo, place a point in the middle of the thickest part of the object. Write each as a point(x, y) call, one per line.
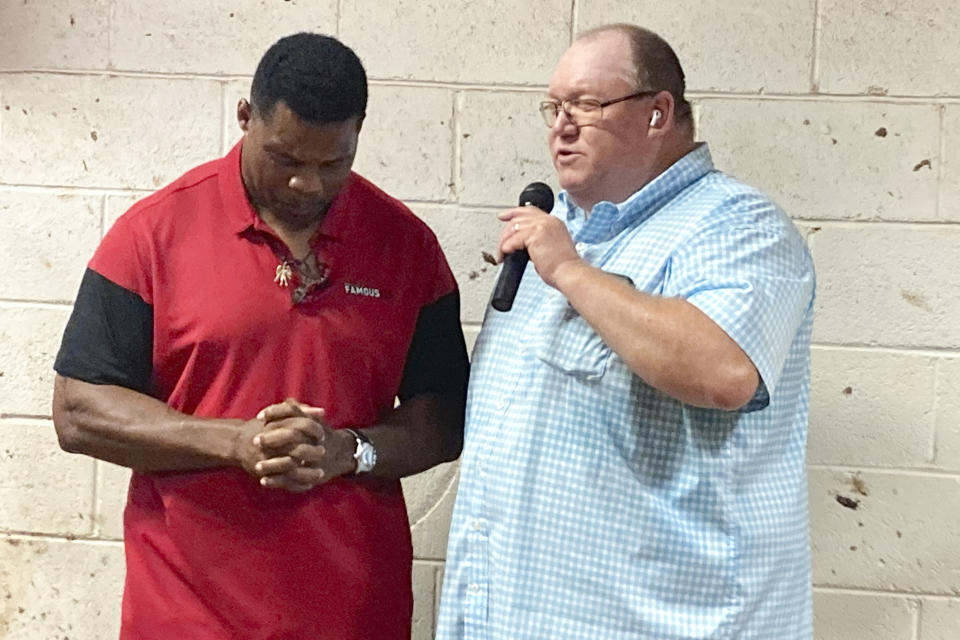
point(289, 446)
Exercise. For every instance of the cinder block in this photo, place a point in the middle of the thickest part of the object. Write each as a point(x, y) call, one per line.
point(99, 131)
point(112, 483)
point(830, 160)
point(496, 41)
point(464, 236)
point(947, 418)
point(776, 57)
point(885, 531)
point(859, 40)
point(406, 145)
point(430, 531)
point(470, 334)
point(60, 589)
point(888, 285)
point(49, 239)
point(871, 408)
point(437, 593)
point(950, 186)
point(424, 580)
point(29, 340)
point(939, 619)
point(503, 147)
point(54, 34)
point(214, 37)
point(43, 489)
point(847, 616)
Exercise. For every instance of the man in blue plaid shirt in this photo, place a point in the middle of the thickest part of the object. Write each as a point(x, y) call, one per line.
point(636, 425)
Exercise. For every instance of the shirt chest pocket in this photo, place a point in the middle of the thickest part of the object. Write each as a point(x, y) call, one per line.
point(563, 340)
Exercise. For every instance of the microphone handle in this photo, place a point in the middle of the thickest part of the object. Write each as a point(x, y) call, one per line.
point(509, 280)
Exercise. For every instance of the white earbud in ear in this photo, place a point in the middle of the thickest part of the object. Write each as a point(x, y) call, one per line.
point(655, 117)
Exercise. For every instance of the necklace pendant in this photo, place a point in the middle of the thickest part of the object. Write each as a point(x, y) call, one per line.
point(283, 275)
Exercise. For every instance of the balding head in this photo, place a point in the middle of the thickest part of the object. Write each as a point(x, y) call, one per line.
point(655, 65)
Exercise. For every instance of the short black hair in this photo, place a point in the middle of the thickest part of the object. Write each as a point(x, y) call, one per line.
point(318, 77)
point(656, 63)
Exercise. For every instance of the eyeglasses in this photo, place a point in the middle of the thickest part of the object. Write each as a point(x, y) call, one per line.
point(583, 112)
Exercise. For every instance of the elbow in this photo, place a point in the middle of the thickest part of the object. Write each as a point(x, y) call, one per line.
point(734, 390)
point(453, 442)
point(70, 434)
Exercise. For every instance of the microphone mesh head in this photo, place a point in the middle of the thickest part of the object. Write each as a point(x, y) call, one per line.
point(539, 195)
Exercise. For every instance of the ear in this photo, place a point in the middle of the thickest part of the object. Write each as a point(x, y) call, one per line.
point(244, 114)
point(661, 112)
point(360, 119)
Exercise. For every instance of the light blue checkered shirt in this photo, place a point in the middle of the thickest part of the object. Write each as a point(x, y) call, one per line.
point(592, 506)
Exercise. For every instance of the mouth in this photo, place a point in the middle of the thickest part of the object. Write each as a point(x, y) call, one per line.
point(563, 156)
point(304, 209)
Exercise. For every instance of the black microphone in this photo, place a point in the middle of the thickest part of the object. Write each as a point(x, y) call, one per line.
point(539, 195)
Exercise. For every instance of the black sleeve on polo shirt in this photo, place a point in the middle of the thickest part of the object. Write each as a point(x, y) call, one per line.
point(437, 360)
point(109, 338)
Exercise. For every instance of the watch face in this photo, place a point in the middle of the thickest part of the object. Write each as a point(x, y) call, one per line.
point(366, 457)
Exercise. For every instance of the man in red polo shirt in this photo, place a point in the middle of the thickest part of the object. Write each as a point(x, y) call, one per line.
point(272, 273)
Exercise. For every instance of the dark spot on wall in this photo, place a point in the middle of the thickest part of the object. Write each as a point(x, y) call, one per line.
point(874, 90)
point(73, 21)
point(916, 300)
point(847, 391)
point(93, 136)
point(899, 535)
point(806, 122)
point(853, 547)
point(923, 163)
point(849, 503)
point(488, 258)
point(859, 485)
point(834, 140)
point(466, 135)
point(473, 275)
point(881, 132)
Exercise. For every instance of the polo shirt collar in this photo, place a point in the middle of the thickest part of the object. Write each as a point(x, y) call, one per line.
point(241, 214)
point(609, 219)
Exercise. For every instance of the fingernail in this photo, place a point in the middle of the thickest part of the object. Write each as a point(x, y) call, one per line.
point(263, 482)
point(259, 468)
point(261, 414)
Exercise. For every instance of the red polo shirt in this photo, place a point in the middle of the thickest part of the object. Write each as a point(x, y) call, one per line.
point(180, 301)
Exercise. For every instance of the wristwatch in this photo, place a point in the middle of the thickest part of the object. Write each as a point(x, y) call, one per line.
point(366, 453)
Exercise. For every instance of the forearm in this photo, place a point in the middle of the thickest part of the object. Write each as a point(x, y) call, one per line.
point(668, 342)
point(132, 429)
point(421, 433)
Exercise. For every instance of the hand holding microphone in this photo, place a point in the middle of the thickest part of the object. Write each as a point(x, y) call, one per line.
point(536, 194)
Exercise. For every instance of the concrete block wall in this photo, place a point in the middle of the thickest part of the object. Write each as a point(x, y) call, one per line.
point(848, 113)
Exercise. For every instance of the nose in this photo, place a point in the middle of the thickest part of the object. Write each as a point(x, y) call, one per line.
point(308, 183)
point(564, 124)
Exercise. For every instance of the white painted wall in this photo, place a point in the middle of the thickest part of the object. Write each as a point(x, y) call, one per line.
point(848, 113)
